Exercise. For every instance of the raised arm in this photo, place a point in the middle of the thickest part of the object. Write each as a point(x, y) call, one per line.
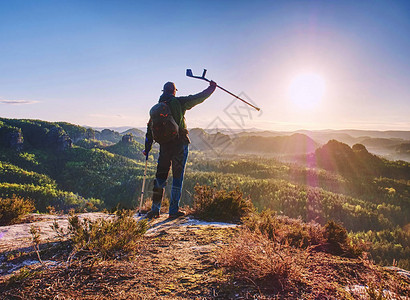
point(187, 102)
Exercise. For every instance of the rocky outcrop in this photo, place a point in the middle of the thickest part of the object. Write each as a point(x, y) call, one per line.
point(58, 139)
point(15, 140)
point(128, 138)
point(77, 133)
point(11, 137)
point(37, 134)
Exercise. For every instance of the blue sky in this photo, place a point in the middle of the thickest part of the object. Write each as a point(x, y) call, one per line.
point(103, 63)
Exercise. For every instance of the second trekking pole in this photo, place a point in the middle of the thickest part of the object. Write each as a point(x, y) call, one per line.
point(143, 184)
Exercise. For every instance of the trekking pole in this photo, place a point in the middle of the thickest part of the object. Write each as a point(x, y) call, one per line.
point(189, 74)
point(143, 184)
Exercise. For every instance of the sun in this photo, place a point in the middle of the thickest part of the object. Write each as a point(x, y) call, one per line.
point(306, 90)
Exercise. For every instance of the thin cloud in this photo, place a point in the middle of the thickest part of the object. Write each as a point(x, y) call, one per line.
point(18, 102)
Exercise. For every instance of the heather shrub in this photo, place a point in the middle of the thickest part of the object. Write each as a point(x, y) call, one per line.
point(266, 223)
point(13, 209)
point(106, 238)
point(339, 242)
point(285, 230)
point(254, 257)
point(332, 237)
point(220, 205)
point(336, 234)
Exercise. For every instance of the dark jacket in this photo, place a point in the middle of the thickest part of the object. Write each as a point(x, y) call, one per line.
point(178, 106)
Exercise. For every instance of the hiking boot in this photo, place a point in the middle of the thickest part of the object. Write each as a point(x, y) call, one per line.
point(152, 214)
point(180, 213)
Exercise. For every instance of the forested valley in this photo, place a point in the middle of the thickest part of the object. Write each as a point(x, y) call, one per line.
point(64, 166)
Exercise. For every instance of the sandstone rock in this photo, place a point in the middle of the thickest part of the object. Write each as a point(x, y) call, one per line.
point(127, 138)
point(11, 137)
point(16, 140)
point(58, 139)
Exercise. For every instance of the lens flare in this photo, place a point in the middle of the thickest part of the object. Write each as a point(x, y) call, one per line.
point(306, 90)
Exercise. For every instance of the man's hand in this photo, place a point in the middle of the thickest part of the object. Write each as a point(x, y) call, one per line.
point(148, 145)
point(212, 83)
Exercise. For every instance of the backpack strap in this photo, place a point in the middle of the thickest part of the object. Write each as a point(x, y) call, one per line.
point(168, 102)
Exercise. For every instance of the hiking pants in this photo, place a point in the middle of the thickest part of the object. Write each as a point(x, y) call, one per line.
point(175, 154)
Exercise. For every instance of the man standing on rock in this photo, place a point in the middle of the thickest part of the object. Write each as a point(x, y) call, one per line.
point(175, 151)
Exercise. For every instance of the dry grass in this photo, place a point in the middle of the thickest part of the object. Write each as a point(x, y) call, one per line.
point(254, 257)
point(284, 230)
point(202, 262)
point(331, 238)
point(176, 263)
point(280, 271)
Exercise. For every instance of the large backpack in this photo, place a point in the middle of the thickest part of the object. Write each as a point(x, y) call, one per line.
point(163, 126)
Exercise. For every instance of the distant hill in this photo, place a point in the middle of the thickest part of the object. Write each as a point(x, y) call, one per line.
point(355, 134)
point(381, 142)
point(201, 140)
point(389, 134)
point(127, 147)
point(24, 133)
point(113, 128)
point(135, 132)
point(294, 144)
point(265, 133)
point(244, 143)
point(356, 161)
point(108, 135)
point(403, 148)
point(323, 137)
point(138, 134)
point(389, 144)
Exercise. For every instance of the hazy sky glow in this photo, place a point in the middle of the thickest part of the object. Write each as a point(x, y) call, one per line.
point(103, 63)
point(306, 90)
